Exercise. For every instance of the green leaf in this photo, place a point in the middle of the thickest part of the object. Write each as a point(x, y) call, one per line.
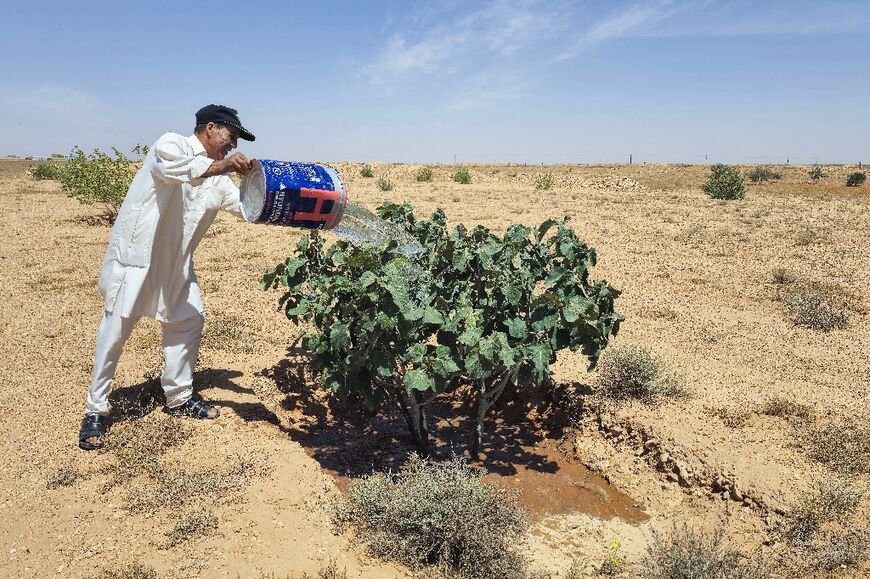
point(470, 336)
point(443, 364)
point(417, 379)
point(415, 353)
point(517, 328)
point(339, 336)
point(544, 228)
point(432, 316)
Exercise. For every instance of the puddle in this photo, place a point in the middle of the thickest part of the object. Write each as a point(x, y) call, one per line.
point(572, 488)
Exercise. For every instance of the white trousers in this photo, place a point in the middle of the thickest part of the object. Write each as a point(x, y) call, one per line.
point(180, 350)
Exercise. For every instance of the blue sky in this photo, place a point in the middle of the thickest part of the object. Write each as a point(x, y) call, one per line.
point(491, 81)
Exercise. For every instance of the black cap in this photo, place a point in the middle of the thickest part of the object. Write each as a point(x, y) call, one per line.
point(224, 115)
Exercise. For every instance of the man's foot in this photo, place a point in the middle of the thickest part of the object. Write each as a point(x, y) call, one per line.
point(92, 432)
point(195, 408)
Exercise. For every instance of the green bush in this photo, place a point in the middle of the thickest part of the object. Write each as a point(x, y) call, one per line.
point(856, 179)
point(633, 372)
point(761, 174)
point(462, 175)
point(385, 184)
point(366, 171)
point(724, 182)
point(100, 178)
point(690, 554)
point(438, 515)
point(47, 172)
point(424, 174)
point(816, 173)
point(544, 182)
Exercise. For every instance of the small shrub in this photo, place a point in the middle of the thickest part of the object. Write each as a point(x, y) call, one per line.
point(785, 408)
point(100, 178)
point(832, 501)
point(437, 515)
point(366, 171)
point(806, 236)
point(633, 372)
point(614, 560)
point(46, 172)
point(424, 174)
point(462, 175)
point(545, 181)
point(689, 554)
point(844, 447)
point(816, 173)
point(761, 174)
point(732, 418)
point(856, 179)
point(843, 549)
point(191, 525)
point(816, 308)
point(385, 184)
point(724, 182)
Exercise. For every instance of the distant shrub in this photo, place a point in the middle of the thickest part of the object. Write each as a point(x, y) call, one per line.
point(833, 500)
point(724, 182)
point(192, 525)
point(689, 554)
point(856, 179)
point(100, 178)
point(437, 515)
point(424, 174)
point(47, 172)
point(462, 175)
point(816, 173)
point(843, 549)
point(781, 276)
point(844, 447)
point(633, 372)
point(545, 181)
point(366, 171)
point(761, 174)
point(817, 308)
point(785, 408)
point(385, 184)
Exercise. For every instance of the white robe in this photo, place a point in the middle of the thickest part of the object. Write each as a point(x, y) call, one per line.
point(148, 268)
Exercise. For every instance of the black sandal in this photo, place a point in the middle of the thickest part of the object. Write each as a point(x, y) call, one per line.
point(194, 408)
point(92, 425)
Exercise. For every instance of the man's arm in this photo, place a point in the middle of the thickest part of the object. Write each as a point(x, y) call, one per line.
point(235, 163)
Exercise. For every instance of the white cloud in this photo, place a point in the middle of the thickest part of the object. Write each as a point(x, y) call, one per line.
point(496, 30)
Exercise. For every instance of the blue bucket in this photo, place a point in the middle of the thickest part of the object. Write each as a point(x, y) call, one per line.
point(293, 194)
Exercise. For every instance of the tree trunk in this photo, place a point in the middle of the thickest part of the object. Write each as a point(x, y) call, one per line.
point(486, 399)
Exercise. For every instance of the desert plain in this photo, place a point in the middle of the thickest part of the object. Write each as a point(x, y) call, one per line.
point(703, 284)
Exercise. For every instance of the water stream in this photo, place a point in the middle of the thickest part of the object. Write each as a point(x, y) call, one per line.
point(360, 226)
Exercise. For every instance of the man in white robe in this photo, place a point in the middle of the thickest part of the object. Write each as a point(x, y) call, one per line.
point(148, 268)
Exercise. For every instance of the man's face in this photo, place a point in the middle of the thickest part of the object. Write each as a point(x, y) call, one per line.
point(220, 140)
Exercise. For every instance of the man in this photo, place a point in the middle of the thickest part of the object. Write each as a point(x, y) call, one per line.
point(148, 268)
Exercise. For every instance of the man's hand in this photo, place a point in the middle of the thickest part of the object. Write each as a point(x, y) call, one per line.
point(235, 163)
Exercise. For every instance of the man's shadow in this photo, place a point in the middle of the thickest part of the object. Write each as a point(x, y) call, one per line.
point(134, 402)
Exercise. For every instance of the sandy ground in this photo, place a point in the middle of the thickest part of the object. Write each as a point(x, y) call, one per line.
point(697, 291)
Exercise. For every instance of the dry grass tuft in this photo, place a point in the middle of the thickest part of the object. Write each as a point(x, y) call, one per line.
point(817, 307)
point(170, 486)
point(834, 501)
point(196, 523)
point(129, 571)
point(844, 447)
point(437, 515)
point(627, 372)
point(137, 447)
point(328, 570)
point(785, 408)
point(730, 417)
point(688, 553)
point(842, 550)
